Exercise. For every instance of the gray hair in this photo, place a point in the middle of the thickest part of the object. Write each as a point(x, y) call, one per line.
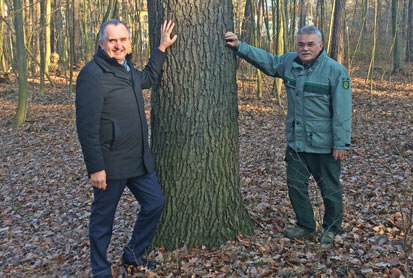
point(310, 30)
point(102, 32)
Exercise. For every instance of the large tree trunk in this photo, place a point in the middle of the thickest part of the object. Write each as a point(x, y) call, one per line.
point(194, 126)
point(337, 40)
point(21, 112)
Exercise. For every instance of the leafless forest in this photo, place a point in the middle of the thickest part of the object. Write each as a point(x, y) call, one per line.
point(45, 195)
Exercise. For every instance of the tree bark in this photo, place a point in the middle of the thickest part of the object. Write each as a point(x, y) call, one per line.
point(246, 34)
point(302, 13)
point(76, 32)
point(279, 49)
point(337, 40)
point(194, 126)
point(397, 57)
point(373, 50)
point(48, 17)
point(42, 46)
point(3, 63)
point(21, 111)
point(409, 48)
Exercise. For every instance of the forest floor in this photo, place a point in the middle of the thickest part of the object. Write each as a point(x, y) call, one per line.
point(45, 197)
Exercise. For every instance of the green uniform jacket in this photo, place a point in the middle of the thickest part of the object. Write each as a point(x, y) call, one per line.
point(319, 99)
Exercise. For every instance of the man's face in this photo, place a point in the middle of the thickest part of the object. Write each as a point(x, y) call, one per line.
point(308, 47)
point(117, 43)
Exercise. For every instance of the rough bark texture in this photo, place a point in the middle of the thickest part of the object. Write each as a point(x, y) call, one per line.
point(337, 40)
point(194, 126)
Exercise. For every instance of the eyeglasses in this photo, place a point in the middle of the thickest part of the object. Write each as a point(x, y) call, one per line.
point(309, 45)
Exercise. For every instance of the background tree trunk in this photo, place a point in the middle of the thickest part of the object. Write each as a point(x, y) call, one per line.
point(255, 40)
point(279, 50)
point(194, 126)
point(373, 50)
point(42, 46)
point(21, 112)
point(337, 40)
point(330, 33)
point(397, 51)
point(409, 48)
point(76, 33)
point(3, 63)
point(69, 28)
point(293, 23)
point(48, 17)
point(302, 14)
point(246, 34)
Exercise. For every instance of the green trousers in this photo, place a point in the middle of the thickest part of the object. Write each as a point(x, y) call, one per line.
point(326, 172)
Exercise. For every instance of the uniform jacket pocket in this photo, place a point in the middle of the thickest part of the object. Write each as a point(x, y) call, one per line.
point(319, 134)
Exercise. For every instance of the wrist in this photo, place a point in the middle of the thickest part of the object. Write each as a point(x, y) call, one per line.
point(162, 48)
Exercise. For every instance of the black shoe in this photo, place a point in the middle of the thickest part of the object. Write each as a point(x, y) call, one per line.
point(140, 263)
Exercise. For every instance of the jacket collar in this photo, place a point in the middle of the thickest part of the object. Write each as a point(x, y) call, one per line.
point(109, 64)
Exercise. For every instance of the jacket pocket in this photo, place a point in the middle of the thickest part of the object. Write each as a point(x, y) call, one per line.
point(319, 134)
point(107, 134)
point(317, 105)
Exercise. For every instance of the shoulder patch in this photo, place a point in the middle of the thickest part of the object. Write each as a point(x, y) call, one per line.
point(346, 83)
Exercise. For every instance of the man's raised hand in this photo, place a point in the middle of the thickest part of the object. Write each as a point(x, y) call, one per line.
point(166, 30)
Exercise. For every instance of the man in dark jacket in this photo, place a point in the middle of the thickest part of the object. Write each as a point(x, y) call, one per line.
point(113, 133)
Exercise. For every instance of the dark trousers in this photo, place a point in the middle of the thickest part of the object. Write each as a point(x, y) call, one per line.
point(326, 172)
point(147, 191)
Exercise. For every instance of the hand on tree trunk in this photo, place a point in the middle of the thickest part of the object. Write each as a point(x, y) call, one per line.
point(166, 30)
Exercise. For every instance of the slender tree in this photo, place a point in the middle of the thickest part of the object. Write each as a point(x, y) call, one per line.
point(194, 126)
point(76, 32)
point(47, 33)
point(3, 62)
point(293, 22)
point(397, 48)
point(337, 40)
point(70, 45)
point(255, 40)
point(21, 112)
point(409, 48)
point(42, 46)
point(303, 13)
point(322, 18)
point(373, 49)
point(330, 32)
point(279, 49)
point(247, 23)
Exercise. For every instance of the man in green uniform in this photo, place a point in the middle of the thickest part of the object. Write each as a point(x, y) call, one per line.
point(317, 126)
